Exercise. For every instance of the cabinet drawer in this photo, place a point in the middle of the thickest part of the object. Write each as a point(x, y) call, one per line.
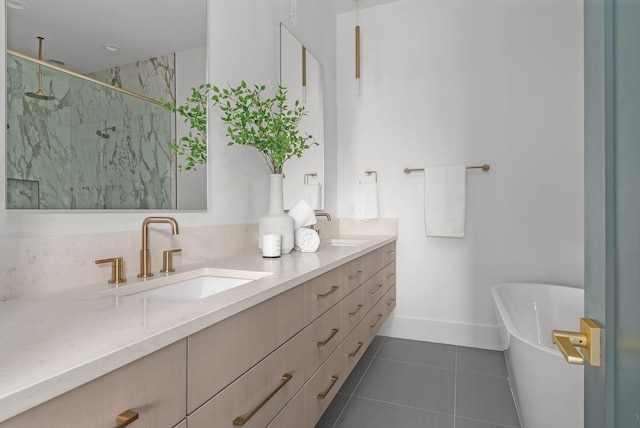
point(260, 394)
point(221, 353)
point(389, 253)
point(390, 299)
point(352, 309)
point(292, 416)
point(153, 386)
point(323, 387)
point(373, 290)
point(352, 275)
point(372, 263)
point(353, 347)
point(321, 294)
point(323, 337)
point(182, 424)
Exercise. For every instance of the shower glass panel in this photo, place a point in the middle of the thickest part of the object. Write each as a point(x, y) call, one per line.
point(90, 147)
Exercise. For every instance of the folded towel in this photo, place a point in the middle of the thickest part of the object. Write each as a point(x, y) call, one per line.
point(303, 215)
point(307, 240)
point(368, 201)
point(444, 201)
point(311, 194)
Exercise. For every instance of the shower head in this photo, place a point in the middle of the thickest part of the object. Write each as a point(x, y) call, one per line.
point(39, 94)
point(104, 133)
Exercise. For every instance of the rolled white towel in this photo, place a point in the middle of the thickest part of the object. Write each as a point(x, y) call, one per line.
point(303, 215)
point(307, 240)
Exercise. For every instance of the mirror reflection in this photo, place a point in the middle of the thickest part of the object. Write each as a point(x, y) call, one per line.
point(96, 136)
point(301, 74)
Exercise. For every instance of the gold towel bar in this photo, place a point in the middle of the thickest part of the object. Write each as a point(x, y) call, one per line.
point(484, 167)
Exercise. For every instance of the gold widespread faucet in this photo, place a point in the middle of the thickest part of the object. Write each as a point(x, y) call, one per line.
point(145, 253)
point(323, 214)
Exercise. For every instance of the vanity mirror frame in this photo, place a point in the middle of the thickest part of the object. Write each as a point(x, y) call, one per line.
point(180, 180)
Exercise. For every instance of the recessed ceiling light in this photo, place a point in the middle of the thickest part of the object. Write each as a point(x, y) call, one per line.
point(112, 47)
point(16, 4)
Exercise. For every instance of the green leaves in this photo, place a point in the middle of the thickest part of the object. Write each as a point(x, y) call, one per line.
point(268, 124)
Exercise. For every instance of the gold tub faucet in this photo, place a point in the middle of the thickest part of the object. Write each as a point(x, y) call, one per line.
point(145, 253)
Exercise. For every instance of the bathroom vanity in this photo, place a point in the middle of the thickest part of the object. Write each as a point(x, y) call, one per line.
point(271, 353)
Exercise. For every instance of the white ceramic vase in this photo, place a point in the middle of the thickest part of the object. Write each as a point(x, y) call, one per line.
point(276, 220)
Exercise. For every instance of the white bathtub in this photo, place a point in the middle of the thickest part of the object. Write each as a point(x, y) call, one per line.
point(548, 391)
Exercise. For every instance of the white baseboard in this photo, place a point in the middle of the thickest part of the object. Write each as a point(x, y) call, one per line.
point(475, 336)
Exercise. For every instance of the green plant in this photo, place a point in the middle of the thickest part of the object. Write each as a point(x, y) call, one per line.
point(268, 124)
point(193, 145)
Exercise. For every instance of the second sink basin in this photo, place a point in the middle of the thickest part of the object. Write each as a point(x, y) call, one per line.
point(190, 286)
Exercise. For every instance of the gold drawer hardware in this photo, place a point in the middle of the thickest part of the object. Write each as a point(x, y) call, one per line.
point(125, 418)
point(353, 354)
point(241, 420)
point(322, 296)
point(167, 260)
point(390, 252)
point(373, 293)
point(355, 275)
point(323, 395)
point(334, 331)
point(116, 269)
point(391, 275)
point(390, 302)
point(377, 321)
point(357, 309)
point(588, 340)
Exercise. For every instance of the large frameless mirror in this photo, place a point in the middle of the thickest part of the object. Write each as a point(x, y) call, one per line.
point(301, 74)
point(86, 128)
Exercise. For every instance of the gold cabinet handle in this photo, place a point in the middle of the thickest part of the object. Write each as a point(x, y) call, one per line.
point(588, 340)
point(116, 269)
point(356, 311)
point(334, 331)
point(322, 296)
point(125, 418)
point(167, 260)
point(390, 302)
point(241, 420)
point(353, 354)
point(390, 252)
point(323, 395)
point(373, 293)
point(391, 275)
point(377, 321)
point(355, 275)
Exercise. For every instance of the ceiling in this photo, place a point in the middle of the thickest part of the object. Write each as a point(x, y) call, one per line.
point(76, 31)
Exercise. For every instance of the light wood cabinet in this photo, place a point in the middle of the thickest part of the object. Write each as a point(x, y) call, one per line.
point(324, 335)
point(321, 294)
point(293, 415)
point(323, 387)
point(153, 386)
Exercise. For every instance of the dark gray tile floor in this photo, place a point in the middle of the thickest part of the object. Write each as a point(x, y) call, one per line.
point(411, 384)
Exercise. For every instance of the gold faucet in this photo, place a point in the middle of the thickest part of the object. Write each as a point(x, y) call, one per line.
point(323, 214)
point(145, 265)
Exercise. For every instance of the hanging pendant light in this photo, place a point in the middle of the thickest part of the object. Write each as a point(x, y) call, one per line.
point(40, 95)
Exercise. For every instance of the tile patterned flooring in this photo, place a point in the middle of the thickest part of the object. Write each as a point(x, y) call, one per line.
point(402, 383)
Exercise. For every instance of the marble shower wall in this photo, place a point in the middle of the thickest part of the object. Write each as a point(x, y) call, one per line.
point(57, 160)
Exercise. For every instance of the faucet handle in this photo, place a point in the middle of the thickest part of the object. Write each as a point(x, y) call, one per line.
point(167, 260)
point(116, 269)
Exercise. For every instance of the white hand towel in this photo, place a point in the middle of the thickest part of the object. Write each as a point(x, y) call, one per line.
point(303, 215)
point(311, 194)
point(368, 201)
point(307, 240)
point(444, 201)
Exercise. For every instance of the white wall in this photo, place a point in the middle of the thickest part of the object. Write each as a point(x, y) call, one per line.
point(241, 43)
point(471, 82)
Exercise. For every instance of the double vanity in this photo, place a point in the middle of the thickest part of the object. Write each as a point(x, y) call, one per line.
point(239, 341)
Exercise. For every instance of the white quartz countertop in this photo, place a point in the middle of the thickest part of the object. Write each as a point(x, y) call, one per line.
point(53, 343)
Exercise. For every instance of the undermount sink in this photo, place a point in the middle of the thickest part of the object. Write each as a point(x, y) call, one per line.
point(191, 286)
point(345, 242)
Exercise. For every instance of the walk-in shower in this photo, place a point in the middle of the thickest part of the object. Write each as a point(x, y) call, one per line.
point(93, 145)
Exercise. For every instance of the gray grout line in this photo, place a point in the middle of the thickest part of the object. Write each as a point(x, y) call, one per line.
point(415, 364)
point(486, 422)
point(406, 406)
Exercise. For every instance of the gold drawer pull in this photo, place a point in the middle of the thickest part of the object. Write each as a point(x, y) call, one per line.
point(357, 309)
point(390, 302)
point(241, 420)
point(125, 418)
point(391, 252)
point(377, 321)
point(322, 296)
point(391, 275)
point(373, 293)
point(334, 331)
point(353, 354)
point(355, 275)
point(322, 395)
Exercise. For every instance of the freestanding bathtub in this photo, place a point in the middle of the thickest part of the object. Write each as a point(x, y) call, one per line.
point(548, 391)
